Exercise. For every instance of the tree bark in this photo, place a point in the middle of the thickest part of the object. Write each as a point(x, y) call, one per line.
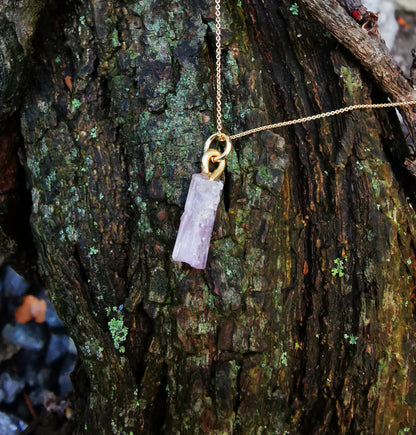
point(303, 321)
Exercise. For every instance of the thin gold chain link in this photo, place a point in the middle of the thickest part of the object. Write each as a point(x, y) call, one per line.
point(218, 63)
point(322, 115)
point(284, 123)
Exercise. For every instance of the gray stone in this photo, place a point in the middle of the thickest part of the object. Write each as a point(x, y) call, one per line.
point(10, 425)
point(51, 318)
point(31, 375)
point(28, 335)
point(45, 379)
point(59, 345)
point(37, 395)
point(10, 387)
point(13, 283)
point(65, 384)
point(8, 350)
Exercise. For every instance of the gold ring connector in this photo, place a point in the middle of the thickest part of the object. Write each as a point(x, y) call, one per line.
point(212, 156)
point(222, 138)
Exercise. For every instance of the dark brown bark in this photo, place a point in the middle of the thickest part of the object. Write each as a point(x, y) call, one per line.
point(303, 320)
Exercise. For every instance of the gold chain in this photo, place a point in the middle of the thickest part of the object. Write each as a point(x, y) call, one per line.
point(323, 115)
point(221, 136)
point(218, 63)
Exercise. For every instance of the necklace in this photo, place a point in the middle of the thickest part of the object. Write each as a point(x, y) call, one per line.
point(197, 221)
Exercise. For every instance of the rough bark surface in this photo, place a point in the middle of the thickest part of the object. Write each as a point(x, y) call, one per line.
point(303, 320)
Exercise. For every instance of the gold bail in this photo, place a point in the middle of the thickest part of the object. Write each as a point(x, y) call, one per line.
point(211, 156)
point(222, 138)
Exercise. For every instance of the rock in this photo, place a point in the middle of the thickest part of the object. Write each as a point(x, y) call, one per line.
point(10, 387)
point(10, 425)
point(54, 404)
point(37, 395)
point(27, 335)
point(59, 345)
point(51, 318)
point(31, 375)
point(7, 350)
point(13, 283)
point(65, 384)
point(46, 378)
point(30, 309)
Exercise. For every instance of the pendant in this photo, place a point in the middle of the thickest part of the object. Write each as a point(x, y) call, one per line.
point(197, 221)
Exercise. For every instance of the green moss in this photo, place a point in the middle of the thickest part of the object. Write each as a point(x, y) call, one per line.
point(294, 9)
point(338, 269)
point(352, 80)
point(205, 328)
point(33, 166)
point(71, 233)
point(114, 39)
point(283, 359)
point(263, 177)
point(76, 104)
point(93, 349)
point(118, 331)
point(133, 54)
point(351, 338)
point(94, 132)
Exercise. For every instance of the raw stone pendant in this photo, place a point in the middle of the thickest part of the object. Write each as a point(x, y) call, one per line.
point(197, 221)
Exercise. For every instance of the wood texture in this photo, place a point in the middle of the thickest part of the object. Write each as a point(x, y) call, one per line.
point(303, 320)
point(370, 52)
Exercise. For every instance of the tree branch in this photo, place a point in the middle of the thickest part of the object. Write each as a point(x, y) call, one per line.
point(369, 51)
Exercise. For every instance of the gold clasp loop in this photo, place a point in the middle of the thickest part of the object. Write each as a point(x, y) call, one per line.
point(222, 138)
point(213, 156)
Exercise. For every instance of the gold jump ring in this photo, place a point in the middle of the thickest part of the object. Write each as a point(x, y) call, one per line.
point(222, 138)
point(212, 155)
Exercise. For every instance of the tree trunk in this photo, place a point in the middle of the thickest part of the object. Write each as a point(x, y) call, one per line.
point(303, 320)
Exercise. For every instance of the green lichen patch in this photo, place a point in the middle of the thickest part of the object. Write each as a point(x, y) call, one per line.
point(118, 331)
point(353, 82)
point(338, 268)
point(294, 9)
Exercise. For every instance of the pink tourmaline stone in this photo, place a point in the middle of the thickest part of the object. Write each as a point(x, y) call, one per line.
point(197, 221)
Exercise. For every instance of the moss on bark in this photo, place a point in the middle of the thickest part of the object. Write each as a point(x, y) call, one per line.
point(302, 321)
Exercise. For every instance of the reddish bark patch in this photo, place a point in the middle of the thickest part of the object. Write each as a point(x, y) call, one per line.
point(8, 165)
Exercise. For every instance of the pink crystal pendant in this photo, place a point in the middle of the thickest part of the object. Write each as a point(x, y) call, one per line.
point(197, 221)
